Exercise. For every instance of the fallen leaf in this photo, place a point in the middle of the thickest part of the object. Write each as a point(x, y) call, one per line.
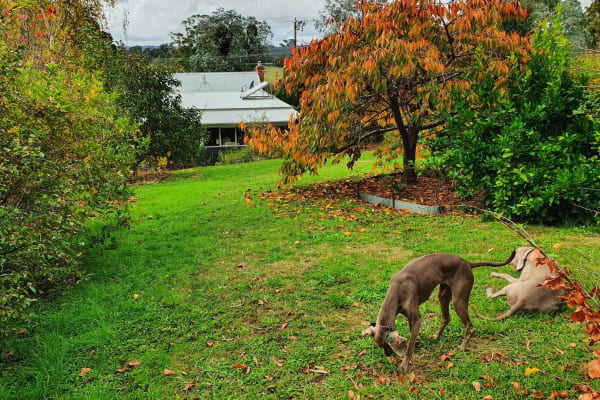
point(189, 386)
point(297, 242)
point(236, 366)
point(529, 371)
point(134, 363)
point(284, 325)
point(22, 331)
point(348, 233)
point(362, 353)
point(168, 372)
point(241, 265)
point(488, 397)
point(365, 323)
point(527, 345)
point(445, 357)
point(477, 386)
point(351, 394)
point(84, 371)
point(210, 343)
point(136, 296)
point(260, 302)
point(558, 246)
point(121, 370)
point(362, 230)
point(515, 386)
point(594, 369)
point(450, 365)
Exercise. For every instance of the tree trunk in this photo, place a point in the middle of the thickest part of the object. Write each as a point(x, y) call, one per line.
point(409, 175)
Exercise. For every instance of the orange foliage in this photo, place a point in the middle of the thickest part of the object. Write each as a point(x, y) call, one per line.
point(396, 64)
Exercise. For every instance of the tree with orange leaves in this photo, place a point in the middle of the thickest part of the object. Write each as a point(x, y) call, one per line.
point(388, 75)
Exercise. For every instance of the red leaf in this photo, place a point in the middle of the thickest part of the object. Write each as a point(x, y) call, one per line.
point(236, 366)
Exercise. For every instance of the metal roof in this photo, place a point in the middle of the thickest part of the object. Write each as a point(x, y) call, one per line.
point(218, 95)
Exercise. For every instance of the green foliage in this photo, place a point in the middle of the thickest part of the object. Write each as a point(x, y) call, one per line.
point(534, 150)
point(147, 93)
point(223, 41)
point(64, 158)
point(574, 21)
point(243, 155)
point(593, 17)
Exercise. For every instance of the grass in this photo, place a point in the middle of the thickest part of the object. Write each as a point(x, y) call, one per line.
point(272, 73)
point(206, 281)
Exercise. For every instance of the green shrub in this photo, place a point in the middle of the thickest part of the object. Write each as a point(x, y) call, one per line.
point(534, 149)
point(243, 155)
point(64, 158)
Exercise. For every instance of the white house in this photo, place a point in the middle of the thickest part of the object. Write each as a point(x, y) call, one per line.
point(228, 98)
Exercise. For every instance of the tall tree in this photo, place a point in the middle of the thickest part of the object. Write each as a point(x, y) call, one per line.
point(573, 20)
point(223, 41)
point(334, 13)
point(388, 74)
point(593, 16)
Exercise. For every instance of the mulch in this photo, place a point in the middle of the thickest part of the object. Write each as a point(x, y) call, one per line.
point(427, 191)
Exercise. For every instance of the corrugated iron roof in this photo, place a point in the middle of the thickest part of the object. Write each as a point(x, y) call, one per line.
point(216, 95)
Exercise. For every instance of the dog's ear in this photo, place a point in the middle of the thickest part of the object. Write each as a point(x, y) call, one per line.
point(520, 258)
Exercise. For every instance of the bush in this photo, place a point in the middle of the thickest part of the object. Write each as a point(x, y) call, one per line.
point(243, 155)
point(65, 155)
point(534, 149)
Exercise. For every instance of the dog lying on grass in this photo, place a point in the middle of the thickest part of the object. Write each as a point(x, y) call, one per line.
point(526, 292)
point(412, 286)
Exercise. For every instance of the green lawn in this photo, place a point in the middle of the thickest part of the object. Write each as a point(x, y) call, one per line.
point(272, 73)
point(252, 298)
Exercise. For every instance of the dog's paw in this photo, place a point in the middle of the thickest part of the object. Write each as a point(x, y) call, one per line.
point(368, 331)
point(489, 291)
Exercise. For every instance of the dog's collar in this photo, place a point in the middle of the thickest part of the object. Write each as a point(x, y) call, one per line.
point(525, 258)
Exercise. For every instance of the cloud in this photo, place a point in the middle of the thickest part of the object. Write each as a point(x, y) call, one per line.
point(149, 22)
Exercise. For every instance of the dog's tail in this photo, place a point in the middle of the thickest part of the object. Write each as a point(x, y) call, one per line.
point(515, 307)
point(492, 264)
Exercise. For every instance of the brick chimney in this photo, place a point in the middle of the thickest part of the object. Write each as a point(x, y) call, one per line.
point(261, 71)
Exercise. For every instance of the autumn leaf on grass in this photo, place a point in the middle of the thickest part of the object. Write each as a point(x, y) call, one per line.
point(121, 370)
point(136, 296)
point(134, 363)
point(450, 365)
point(189, 386)
point(84, 371)
point(594, 369)
point(558, 246)
point(348, 233)
point(168, 372)
point(515, 386)
point(237, 366)
point(529, 371)
point(477, 386)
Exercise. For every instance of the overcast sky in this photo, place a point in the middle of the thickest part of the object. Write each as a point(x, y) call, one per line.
point(151, 21)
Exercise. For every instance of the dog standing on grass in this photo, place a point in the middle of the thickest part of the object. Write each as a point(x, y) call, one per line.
point(412, 286)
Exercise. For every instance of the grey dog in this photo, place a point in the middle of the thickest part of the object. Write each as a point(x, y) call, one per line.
point(412, 286)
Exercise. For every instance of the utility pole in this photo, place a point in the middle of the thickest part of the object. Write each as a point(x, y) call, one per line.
point(298, 25)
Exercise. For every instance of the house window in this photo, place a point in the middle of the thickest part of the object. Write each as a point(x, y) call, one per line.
point(225, 137)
